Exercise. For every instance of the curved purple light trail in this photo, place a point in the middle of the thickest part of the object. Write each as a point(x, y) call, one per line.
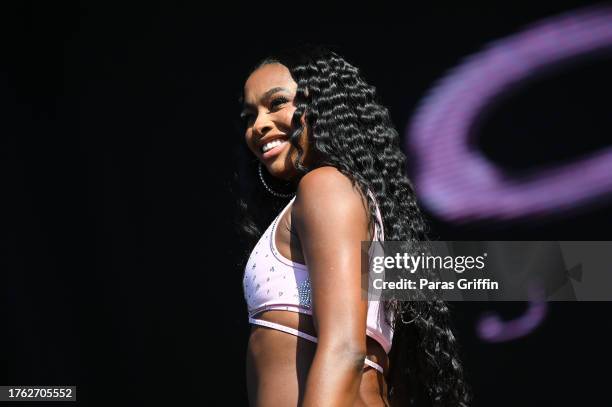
point(458, 183)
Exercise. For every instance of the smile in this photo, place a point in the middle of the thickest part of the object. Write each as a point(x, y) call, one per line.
point(273, 148)
point(269, 146)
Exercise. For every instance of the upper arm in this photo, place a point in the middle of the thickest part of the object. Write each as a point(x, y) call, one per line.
point(331, 220)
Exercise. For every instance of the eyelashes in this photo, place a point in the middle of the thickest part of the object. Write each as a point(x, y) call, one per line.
point(274, 103)
point(278, 101)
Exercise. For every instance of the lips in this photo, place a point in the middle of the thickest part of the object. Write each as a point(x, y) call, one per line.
point(262, 142)
point(271, 144)
point(273, 148)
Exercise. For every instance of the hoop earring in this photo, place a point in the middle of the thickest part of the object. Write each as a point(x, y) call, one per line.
point(270, 190)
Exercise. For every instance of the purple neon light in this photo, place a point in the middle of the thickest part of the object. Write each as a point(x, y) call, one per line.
point(460, 184)
point(491, 328)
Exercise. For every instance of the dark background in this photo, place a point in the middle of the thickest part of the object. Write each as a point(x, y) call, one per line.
point(119, 269)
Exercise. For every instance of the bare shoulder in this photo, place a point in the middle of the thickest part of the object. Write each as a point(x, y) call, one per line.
point(325, 195)
point(326, 179)
point(327, 185)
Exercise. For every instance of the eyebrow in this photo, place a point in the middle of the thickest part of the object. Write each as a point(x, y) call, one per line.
point(266, 95)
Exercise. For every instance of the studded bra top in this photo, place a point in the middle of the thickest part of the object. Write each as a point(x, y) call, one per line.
point(274, 282)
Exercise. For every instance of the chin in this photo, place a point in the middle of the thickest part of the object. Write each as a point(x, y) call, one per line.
point(279, 170)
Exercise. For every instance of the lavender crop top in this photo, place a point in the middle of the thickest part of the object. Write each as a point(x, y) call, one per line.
point(273, 282)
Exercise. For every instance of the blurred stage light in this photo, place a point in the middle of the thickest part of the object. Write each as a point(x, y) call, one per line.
point(457, 182)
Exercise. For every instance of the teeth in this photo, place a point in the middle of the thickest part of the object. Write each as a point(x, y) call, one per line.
point(271, 145)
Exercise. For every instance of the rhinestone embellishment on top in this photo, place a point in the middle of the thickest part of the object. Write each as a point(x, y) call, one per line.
point(304, 293)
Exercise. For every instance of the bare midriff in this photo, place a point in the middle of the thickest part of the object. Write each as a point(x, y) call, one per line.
point(278, 363)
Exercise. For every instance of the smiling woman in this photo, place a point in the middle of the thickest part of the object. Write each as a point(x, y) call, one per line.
point(332, 176)
point(268, 113)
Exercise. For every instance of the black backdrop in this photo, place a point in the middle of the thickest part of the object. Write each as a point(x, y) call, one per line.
point(119, 273)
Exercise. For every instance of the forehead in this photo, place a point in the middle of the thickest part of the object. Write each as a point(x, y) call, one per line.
point(265, 78)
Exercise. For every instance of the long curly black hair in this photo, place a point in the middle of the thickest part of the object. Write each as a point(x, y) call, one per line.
point(353, 132)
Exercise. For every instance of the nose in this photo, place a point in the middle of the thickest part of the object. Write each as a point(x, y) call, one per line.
point(262, 125)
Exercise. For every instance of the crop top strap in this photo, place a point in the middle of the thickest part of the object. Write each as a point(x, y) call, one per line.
point(293, 331)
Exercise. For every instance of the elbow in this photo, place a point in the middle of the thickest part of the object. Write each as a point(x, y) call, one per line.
point(346, 351)
point(354, 356)
point(357, 358)
point(356, 350)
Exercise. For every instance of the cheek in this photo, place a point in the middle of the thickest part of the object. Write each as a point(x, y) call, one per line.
point(288, 115)
point(248, 138)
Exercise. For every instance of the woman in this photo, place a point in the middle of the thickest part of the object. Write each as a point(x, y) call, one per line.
point(323, 172)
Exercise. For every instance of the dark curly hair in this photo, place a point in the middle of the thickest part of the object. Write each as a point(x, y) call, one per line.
point(353, 132)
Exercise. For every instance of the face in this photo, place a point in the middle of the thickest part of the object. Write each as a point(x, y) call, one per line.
point(268, 108)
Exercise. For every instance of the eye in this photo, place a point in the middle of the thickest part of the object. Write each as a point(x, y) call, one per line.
point(246, 117)
point(278, 101)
